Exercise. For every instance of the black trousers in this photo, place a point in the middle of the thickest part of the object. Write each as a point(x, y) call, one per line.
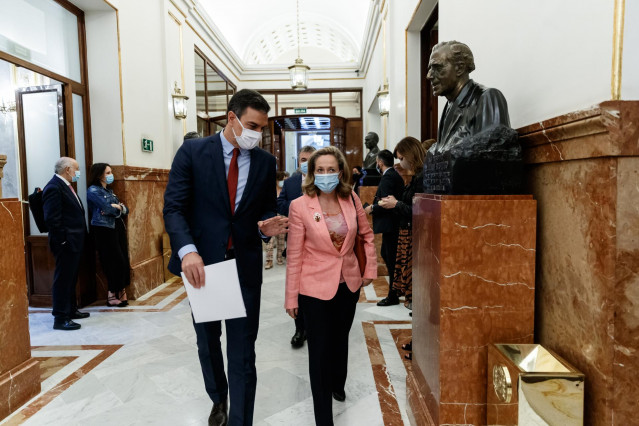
point(328, 323)
point(299, 321)
point(241, 334)
point(389, 254)
point(65, 277)
point(114, 254)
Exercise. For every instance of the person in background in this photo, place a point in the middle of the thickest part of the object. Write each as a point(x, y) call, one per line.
point(426, 144)
point(281, 177)
point(192, 135)
point(109, 233)
point(65, 218)
point(292, 190)
point(357, 177)
point(323, 276)
point(410, 153)
point(385, 222)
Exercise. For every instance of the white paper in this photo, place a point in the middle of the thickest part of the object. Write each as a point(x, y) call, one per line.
point(221, 297)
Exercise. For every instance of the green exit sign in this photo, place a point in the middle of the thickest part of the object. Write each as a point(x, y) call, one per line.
point(300, 110)
point(147, 145)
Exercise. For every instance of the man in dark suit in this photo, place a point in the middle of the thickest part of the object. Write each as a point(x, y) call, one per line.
point(291, 190)
point(384, 221)
point(219, 204)
point(65, 217)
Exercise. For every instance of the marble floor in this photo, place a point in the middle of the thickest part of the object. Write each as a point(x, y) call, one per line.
point(139, 365)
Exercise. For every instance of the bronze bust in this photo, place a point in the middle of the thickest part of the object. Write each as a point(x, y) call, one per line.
point(371, 140)
point(476, 150)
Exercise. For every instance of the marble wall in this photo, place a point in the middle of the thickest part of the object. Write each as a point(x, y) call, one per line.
point(19, 372)
point(583, 169)
point(142, 190)
point(473, 284)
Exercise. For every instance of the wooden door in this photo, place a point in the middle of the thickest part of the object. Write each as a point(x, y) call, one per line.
point(429, 37)
point(353, 148)
point(43, 116)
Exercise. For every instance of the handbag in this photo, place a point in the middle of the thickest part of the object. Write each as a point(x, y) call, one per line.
point(358, 248)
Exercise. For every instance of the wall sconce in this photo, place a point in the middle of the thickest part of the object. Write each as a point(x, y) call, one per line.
point(179, 102)
point(383, 99)
point(6, 108)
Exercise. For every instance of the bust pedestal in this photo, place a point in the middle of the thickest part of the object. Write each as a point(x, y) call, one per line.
point(473, 284)
point(19, 372)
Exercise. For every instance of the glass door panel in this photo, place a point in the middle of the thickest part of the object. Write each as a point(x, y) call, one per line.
point(43, 124)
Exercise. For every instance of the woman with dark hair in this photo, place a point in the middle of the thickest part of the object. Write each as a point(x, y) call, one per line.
point(109, 233)
point(323, 276)
point(410, 153)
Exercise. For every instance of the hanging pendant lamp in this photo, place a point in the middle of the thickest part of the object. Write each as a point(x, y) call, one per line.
point(299, 71)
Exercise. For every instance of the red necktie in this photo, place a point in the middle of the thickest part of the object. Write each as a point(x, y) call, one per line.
point(231, 183)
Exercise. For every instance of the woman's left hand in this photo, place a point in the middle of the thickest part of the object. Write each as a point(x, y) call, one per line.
point(388, 202)
point(366, 281)
point(292, 313)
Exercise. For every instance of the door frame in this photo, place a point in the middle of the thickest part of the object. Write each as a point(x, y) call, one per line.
point(69, 88)
point(430, 114)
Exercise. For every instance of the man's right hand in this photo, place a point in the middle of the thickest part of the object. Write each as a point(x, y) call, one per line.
point(193, 268)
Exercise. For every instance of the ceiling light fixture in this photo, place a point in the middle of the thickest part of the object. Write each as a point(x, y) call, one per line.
point(299, 71)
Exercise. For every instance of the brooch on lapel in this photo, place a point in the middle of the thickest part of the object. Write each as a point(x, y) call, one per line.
point(317, 217)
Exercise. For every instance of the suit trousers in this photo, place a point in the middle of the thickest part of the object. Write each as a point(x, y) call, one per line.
point(65, 277)
point(389, 254)
point(241, 334)
point(114, 254)
point(328, 323)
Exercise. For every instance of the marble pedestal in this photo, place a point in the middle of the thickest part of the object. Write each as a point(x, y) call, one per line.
point(473, 284)
point(583, 168)
point(19, 372)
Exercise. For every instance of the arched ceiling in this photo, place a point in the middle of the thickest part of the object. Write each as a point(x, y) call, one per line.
point(265, 32)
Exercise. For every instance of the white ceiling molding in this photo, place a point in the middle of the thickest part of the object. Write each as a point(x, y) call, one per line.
point(197, 16)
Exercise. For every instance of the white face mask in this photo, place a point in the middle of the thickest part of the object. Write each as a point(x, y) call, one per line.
point(404, 164)
point(249, 139)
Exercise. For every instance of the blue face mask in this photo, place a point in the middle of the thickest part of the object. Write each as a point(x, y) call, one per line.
point(76, 177)
point(110, 179)
point(327, 183)
point(304, 168)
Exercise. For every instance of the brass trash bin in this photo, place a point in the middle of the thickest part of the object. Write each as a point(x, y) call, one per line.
point(530, 385)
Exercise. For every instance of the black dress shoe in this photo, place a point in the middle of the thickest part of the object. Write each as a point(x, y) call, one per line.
point(80, 315)
point(219, 414)
point(298, 339)
point(339, 396)
point(388, 301)
point(66, 325)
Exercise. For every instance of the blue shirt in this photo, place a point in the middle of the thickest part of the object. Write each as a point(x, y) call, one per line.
point(243, 164)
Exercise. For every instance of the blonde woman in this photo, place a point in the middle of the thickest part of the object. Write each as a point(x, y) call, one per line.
point(323, 277)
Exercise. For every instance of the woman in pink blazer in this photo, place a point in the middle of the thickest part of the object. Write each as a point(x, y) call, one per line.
point(322, 272)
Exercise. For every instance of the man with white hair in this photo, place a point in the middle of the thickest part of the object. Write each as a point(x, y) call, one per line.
point(65, 217)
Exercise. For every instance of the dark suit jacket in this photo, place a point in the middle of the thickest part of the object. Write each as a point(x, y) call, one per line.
point(64, 216)
point(383, 219)
point(291, 190)
point(197, 207)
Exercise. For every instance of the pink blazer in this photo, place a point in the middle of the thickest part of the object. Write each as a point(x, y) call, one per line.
point(313, 263)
